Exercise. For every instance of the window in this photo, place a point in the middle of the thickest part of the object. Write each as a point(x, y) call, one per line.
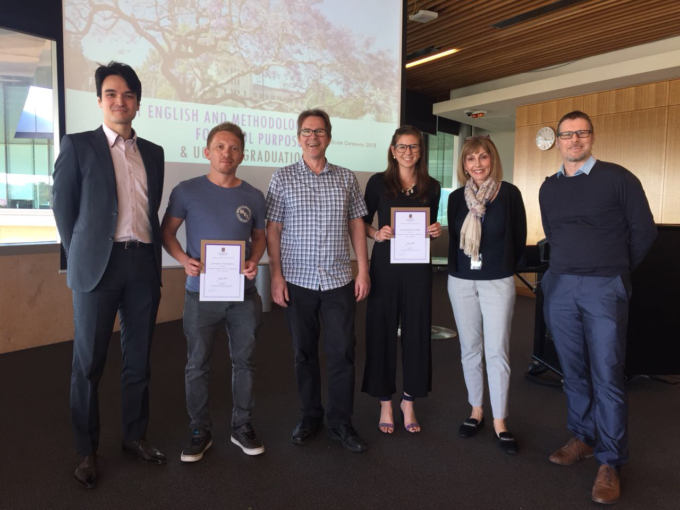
point(27, 134)
point(442, 164)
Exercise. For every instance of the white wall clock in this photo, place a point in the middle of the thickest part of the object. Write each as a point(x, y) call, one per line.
point(545, 138)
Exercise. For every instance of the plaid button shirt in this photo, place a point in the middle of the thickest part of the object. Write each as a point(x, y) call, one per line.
point(315, 211)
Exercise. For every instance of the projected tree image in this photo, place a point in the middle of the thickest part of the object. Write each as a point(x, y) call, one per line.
point(263, 54)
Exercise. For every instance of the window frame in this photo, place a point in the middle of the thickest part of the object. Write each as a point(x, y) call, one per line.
point(58, 105)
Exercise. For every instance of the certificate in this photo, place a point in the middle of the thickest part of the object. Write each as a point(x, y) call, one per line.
point(222, 276)
point(411, 243)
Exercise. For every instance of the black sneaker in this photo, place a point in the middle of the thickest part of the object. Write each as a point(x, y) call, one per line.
point(245, 437)
point(201, 440)
point(349, 438)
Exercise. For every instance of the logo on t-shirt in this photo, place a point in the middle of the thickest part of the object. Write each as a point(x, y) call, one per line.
point(243, 213)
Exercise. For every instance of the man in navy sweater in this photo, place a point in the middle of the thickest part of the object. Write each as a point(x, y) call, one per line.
point(599, 226)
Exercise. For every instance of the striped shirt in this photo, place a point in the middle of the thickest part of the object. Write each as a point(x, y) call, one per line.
point(315, 211)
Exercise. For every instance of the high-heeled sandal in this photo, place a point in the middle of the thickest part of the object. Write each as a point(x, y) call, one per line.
point(386, 425)
point(413, 428)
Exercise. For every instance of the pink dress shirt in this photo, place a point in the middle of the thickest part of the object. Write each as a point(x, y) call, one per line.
point(133, 200)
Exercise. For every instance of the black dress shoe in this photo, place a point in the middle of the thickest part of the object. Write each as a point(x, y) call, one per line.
point(144, 451)
point(507, 442)
point(86, 473)
point(306, 429)
point(349, 438)
point(470, 427)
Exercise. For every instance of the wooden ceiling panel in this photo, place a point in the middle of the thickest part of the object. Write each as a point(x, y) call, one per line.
point(585, 29)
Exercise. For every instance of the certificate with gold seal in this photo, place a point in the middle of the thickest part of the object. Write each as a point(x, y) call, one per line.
point(411, 242)
point(222, 276)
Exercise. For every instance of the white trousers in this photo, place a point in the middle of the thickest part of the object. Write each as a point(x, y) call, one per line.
point(483, 311)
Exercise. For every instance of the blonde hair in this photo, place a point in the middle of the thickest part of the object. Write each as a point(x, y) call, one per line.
point(475, 144)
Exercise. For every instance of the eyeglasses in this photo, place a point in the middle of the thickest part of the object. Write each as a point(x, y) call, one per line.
point(402, 148)
point(582, 133)
point(478, 137)
point(308, 132)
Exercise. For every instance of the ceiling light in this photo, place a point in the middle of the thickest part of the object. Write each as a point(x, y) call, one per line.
point(431, 57)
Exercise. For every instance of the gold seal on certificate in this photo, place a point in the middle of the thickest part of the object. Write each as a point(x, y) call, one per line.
point(411, 243)
point(222, 276)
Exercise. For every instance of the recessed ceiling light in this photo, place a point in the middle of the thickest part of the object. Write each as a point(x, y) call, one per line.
point(431, 58)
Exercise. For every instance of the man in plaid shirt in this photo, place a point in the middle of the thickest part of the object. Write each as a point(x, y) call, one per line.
point(311, 207)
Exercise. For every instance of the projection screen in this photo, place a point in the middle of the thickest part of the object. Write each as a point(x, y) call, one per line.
point(256, 63)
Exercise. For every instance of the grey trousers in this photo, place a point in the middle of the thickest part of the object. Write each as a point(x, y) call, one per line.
point(483, 311)
point(201, 319)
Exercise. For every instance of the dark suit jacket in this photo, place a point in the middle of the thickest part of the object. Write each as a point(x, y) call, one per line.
point(85, 203)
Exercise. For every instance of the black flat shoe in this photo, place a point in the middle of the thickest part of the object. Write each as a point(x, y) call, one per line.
point(470, 427)
point(86, 473)
point(306, 430)
point(507, 442)
point(144, 452)
point(349, 438)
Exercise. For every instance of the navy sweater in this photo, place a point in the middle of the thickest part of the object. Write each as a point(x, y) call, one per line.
point(597, 224)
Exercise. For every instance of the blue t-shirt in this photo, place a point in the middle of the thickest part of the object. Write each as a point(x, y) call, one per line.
point(213, 212)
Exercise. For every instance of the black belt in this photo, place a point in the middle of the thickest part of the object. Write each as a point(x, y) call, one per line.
point(131, 245)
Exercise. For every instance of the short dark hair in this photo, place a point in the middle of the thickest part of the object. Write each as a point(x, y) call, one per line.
point(314, 112)
point(122, 70)
point(576, 114)
point(229, 127)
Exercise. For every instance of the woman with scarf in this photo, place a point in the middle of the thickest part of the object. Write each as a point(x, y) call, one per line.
point(399, 292)
point(487, 232)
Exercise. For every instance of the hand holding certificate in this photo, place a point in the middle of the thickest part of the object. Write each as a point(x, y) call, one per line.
point(411, 243)
point(221, 278)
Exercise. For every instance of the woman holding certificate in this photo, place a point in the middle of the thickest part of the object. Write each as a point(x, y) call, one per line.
point(406, 198)
point(487, 232)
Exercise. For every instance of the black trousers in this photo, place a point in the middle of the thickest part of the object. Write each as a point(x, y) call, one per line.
point(131, 287)
point(399, 293)
point(336, 308)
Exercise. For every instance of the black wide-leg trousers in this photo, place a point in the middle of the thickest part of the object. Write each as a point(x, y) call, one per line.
point(399, 293)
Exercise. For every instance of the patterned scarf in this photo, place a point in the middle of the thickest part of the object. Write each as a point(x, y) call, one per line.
point(476, 199)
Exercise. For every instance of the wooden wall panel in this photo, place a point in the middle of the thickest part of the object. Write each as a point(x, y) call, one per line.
point(636, 140)
point(674, 94)
point(670, 211)
point(653, 95)
point(547, 113)
point(534, 165)
point(38, 311)
point(634, 127)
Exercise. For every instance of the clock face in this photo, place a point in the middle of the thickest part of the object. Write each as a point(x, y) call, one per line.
point(545, 138)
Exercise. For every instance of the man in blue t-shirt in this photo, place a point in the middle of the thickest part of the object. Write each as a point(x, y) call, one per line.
point(218, 206)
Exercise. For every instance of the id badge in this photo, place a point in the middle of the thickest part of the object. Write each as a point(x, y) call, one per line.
point(476, 265)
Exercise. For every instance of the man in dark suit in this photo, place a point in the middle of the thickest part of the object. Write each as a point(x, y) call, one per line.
point(107, 190)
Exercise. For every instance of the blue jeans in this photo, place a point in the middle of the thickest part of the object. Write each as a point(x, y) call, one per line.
point(201, 319)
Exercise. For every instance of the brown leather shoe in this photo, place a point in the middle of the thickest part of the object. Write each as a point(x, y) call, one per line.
point(572, 452)
point(607, 487)
point(86, 472)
